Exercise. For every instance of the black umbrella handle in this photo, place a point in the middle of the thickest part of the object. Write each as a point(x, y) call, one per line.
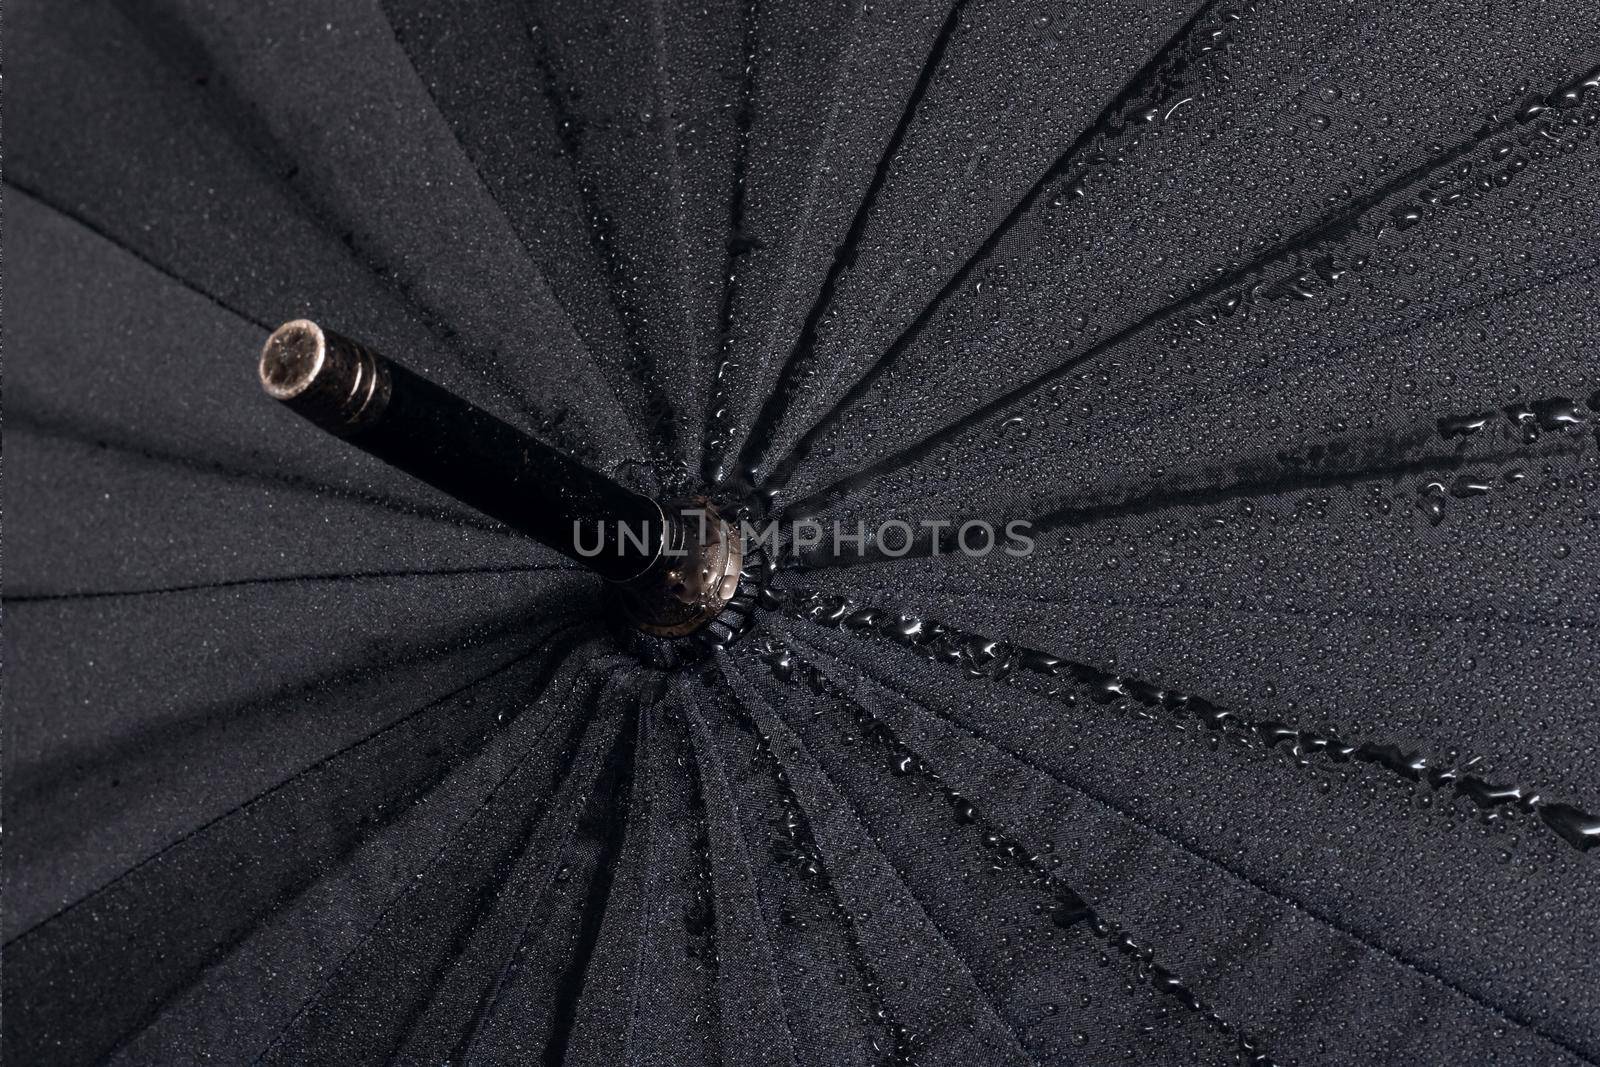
point(455, 446)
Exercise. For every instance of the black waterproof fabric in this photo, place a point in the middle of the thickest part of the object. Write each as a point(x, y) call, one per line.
point(1277, 322)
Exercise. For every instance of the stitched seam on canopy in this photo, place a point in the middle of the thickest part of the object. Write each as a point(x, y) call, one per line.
point(842, 916)
point(645, 749)
point(1196, 1006)
point(1113, 509)
point(869, 841)
point(786, 383)
point(1021, 661)
point(39, 197)
point(1279, 894)
point(489, 999)
point(311, 768)
point(1149, 70)
point(740, 854)
point(1315, 235)
point(334, 970)
point(288, 579)
point(555, 298)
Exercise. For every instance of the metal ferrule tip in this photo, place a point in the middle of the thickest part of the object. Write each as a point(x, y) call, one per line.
point(331, 380)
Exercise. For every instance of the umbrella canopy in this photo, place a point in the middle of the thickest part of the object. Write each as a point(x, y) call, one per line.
point(1268, 736)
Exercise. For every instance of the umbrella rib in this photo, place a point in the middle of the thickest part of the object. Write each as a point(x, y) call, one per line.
point(39, 197)
point(1071, 517)
point(713, 441)
point(662, 421)
point(87, 433)
point(875, 729)
point(778, 401)
point(73, 763)
point(1199, 853)
point(872, 838)
point(703, 876)
point(1002, 661)
point(1170, 54)
point(511, 226)
point(648, 826)
point(285, 579)
point(738, 850)
point(789, 268)
point(170, 41)
point(489, 998)
point(1164, 499)
point(1171, 605)
point(663, 122)
point(489, 896)
point(1091, 513)
point(622, 760)
point(1330, 227)
point(332, 971)
point(806, 851)
point(319, 764)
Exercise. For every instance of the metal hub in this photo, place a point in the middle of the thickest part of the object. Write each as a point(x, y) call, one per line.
point(694, 577)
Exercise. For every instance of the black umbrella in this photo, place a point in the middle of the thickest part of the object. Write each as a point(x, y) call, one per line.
point(1177, 431)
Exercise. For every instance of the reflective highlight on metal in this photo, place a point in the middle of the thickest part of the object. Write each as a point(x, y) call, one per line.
point(695, 577)
point(338, 384)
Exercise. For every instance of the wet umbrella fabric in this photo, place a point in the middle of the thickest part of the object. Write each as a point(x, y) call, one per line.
point(1278, 323)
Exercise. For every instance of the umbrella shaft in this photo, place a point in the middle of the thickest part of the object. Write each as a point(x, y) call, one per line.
point(457, 447)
